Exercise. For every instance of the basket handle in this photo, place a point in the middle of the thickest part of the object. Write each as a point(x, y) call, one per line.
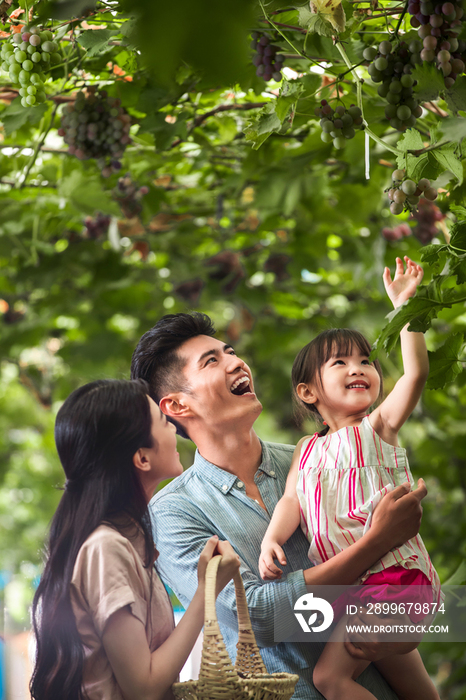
point(248, 658)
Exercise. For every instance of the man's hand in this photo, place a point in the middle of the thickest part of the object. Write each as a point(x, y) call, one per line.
point(397, 518)
point(267, 568)
point(404, 284)
point(374, 651)
point(364, 644)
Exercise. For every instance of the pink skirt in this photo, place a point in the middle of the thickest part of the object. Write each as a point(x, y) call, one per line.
point(390, 586)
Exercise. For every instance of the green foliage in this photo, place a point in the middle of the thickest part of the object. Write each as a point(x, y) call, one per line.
point(247, 215)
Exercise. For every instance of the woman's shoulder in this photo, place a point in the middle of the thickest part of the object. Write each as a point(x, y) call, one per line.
point(105, 534)
point(107, 543)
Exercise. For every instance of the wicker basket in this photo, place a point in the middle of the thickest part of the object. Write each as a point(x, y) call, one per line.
point(218, 679)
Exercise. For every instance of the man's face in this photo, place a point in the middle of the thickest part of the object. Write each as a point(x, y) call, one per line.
point(220, 383)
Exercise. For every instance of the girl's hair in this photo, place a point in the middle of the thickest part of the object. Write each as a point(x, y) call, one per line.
point(97, 431)
point(310, 360)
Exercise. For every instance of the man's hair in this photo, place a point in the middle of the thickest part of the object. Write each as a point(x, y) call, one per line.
point(156, 358)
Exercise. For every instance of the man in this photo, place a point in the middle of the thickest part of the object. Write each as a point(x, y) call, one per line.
point(232, 489)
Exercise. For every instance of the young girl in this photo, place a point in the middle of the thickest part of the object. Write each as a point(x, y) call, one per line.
point(103, 619)
point(338, 476)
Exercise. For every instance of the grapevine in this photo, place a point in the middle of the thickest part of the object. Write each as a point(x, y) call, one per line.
point(97, 226)
point(24, 57)
point(427, 215)
point(96, 126)
point(391, 66)
point(338, 124)
point(268, 63)
point(439, 24)
point(128, 195)
point(397, 232)
point(404, 194)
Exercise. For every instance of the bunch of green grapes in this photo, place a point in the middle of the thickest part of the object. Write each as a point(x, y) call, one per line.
point(391, 66)
point(338, 124)
point(24, 57)
point(405, 194)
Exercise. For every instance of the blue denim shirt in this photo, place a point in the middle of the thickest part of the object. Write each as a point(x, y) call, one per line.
point(206, 500)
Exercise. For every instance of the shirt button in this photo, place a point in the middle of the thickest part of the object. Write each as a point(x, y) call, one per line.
point(240, 484)
point(272, 473)
point(224, 487)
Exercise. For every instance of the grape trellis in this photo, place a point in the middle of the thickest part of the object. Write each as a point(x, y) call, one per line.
point(367, 87)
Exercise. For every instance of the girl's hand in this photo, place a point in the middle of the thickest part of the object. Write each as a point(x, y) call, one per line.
point(268, 570)
point(228, 566)
point(404, 284)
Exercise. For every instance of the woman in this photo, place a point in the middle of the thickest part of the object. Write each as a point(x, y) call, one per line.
point(102, 618)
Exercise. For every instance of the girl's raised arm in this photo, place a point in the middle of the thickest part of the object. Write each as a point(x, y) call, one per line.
point(388, 418)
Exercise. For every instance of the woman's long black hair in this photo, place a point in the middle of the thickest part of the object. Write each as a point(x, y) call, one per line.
point(97, 431)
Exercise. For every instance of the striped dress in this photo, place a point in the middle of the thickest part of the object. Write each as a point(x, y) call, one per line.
point(342, 477)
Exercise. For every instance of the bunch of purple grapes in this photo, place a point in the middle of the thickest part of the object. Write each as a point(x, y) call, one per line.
point(438, 24)
point(96, 226)
point(128, 195)
point(405, 194)
point(96, 126)
point(268, 64)
point(426, 215)
point(391, 66)
point(338, 124)
point(396, 233)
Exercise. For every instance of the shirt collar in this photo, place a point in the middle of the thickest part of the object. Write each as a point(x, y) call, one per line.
point(222, 479)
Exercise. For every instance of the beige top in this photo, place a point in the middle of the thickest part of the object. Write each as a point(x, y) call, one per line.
point(109, 574)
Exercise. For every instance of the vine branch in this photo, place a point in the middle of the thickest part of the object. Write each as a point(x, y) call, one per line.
point(359, 82)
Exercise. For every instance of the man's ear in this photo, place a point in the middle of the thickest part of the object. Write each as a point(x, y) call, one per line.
point(175, 406)
point(141, 460)
point(306, 393)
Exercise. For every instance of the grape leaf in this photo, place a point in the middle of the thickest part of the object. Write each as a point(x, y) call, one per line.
point(431, 168)
point(289, 94)
point(453, 128)
point(458, 211)
point(58, 36)
point(318, 25)
point(418, 312)
point(429, 82)
point(447, 158)
point(415, 165)
point(457, 266)
point(261, 125)
point(315, 22)
point(431, 254)
point(15, 115)
point(458, 236)
point(272, 116)
point(421, 309)
point(410, 141)
point(87, 194)
point(95, 41)
point(455, 97)
point(444, 362)
point(304, 15)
